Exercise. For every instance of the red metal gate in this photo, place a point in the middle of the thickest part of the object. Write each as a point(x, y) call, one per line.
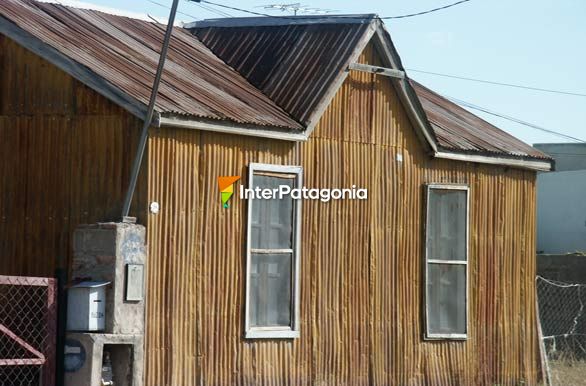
point(28, 321)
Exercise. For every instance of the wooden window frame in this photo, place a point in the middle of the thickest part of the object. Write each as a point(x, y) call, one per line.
point(276, 332)
point(428, 261)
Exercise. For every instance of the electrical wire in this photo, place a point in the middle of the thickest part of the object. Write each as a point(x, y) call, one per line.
point(335, 16)
point(212, 10)
point(426, 12)
point(167, 7)
point(499, 83)
point(512, 119)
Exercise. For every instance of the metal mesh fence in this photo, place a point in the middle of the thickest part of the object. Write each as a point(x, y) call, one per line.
point(27, 331)
point(562, 315)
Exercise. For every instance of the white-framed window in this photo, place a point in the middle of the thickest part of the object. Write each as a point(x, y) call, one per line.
point(446, 262)
point(273, 256)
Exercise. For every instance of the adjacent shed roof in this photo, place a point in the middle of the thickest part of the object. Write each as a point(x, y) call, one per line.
point(460, 130)
point(124, 52)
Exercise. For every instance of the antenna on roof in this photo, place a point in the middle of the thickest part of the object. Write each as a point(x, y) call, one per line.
point(296, 8)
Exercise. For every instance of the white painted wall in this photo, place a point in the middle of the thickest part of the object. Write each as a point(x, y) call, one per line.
point(561, 212)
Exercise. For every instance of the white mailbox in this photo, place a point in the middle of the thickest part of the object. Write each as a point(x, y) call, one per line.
point(86, 306)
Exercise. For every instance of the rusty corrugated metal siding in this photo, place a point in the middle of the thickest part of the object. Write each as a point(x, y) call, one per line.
point(458, 129)
point(292, 64)
point(362, 261)
point(124, 52)
point(65, 157)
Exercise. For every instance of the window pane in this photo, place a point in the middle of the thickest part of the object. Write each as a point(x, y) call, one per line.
point(446, 298)
point(272, 219)
point(270, 290)
point(446, 233)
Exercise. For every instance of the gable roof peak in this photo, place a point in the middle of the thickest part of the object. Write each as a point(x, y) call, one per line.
point(268, 21)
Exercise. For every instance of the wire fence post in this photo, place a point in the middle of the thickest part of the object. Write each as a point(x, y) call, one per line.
point(562, 324)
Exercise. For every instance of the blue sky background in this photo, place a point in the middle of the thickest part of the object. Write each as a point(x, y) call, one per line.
point(540, 43)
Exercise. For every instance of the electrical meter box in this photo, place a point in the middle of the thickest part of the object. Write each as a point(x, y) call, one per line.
point(86, 306)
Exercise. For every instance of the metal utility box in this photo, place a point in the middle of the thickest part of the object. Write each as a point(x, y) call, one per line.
point(86, 306)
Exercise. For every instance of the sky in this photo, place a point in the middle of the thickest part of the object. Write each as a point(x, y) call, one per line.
point(537, 43)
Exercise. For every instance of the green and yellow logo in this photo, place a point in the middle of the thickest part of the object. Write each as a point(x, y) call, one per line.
point(226, 186)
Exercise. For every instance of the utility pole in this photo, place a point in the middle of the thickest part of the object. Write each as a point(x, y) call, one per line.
point(149, 115)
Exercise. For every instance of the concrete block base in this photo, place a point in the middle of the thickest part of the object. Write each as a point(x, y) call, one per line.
point(84, 355)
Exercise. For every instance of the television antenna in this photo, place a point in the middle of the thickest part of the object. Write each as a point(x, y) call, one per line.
point(297, 8)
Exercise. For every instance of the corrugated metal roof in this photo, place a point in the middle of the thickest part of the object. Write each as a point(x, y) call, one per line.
point(271, 72)
point(125, 53)
point(458, 129)
point(294, 60)
point(293, 63)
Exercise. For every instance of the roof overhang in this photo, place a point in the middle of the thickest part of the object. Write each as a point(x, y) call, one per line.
point(522, 163)
point(180, 122)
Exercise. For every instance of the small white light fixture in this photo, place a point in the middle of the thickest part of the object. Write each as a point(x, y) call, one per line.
point(399, 157)
point(154, 207)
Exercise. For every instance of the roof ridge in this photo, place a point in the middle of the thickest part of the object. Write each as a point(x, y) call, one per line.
point(88, 6)
point(267, 21)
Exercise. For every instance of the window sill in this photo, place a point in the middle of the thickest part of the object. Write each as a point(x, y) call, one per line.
point(264, 333)
point(445, 337)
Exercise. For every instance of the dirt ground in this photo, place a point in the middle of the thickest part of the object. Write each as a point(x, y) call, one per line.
point(568, 373)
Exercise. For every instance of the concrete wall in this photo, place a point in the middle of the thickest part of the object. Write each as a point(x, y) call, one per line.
point(566, 268)
point(561, 212)
point(568, 156)
point(101, 252)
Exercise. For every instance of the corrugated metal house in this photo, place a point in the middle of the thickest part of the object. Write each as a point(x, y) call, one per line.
point(430, 281)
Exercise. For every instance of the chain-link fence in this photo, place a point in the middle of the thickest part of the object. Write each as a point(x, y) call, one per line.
point(562, 314)
point(28, 314)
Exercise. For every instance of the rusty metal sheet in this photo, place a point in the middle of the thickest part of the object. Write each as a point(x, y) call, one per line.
point(459, 129)
point(125, 52)
point(361, 275)
point(291, 62)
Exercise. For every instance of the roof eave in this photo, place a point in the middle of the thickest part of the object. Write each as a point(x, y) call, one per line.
point(535, 164)
point(227, 127)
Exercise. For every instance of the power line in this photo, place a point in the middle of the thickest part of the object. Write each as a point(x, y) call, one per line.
point(212, 10)
point(428, 11)
point(499, 83)
point(167, 7)
point(512, 119)
point(336, 16)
